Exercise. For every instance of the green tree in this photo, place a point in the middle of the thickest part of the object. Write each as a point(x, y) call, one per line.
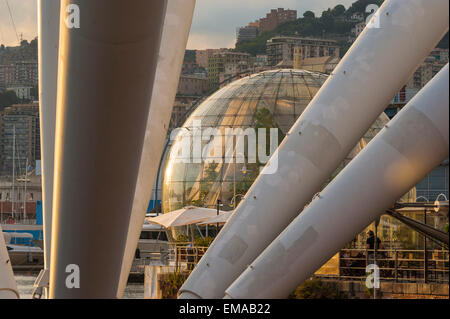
point(338, 10)
point(8, 98)
point(329, 25)
point(361, 5)
point(317, 289)
point(309, 15)
point(35, 92)
point(34, 43)
point(327, 20)
point(25, 52)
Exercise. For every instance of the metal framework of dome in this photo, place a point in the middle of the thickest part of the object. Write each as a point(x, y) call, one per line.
point(268, 99)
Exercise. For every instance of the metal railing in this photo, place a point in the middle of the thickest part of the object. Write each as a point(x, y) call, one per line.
point(181, 256)
point(396, 265)
point(185, 257)
point(149, 258)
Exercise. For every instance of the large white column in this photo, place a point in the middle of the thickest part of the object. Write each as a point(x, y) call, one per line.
point(106, 73)
point(8, 286)
point(376, 67)
point(48, 30)
point(175, 34)
point(403, 153)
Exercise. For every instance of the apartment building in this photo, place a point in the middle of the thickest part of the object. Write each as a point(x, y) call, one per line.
point(23, 73)
point(19, 137)
point(202, 56)
point(282, 48)
point(192, 85)
point(226, 63)
point(276, 17)
point(246, 33)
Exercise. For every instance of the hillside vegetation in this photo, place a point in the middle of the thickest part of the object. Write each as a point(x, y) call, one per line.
point(27, 51)
point(332, 24)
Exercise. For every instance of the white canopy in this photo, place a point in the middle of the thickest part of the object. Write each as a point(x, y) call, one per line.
point(185, 216)
point(221, 219)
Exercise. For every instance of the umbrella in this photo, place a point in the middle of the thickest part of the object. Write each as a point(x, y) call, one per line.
point(221, 219)
point(185, 216)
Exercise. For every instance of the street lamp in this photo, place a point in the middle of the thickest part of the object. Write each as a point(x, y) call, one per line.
point(219, 203)
point(243, 170)
point(438, 204)
point(423, 198)
point(233, 200)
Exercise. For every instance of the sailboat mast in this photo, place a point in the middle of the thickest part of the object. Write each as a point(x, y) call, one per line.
point(13, 167)
point(25, 192)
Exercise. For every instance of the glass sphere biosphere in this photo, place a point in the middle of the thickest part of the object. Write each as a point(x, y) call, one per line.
point(270, 99)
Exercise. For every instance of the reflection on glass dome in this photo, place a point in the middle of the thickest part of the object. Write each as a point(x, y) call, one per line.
point(268, 100)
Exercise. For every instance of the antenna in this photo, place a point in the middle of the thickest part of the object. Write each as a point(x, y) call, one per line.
point(12, 20)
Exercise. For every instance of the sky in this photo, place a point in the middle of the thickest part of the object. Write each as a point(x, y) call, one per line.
point(213, 26)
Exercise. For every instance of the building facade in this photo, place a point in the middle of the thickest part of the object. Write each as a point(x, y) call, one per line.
point(192, 85)
point(357, 16)
point(325, 64)
point(202, 56)
point(435, 184)
point(182, 105)
point(7, 75)
point(226, 63)
point(19, 137)
point(276, 17)
point(23, 73)
point(358, 29)
point(437, 59)
point(422, 75)
point(189, 67)
point(261, 60)
point(440, 54)
point(23, 200)
point(281, 49)
point(22, 92)
point(246, 33)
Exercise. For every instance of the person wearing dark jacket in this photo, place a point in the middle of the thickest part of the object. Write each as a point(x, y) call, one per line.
point(370, 242)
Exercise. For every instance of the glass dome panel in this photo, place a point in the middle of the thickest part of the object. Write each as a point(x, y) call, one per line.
point(271, 99)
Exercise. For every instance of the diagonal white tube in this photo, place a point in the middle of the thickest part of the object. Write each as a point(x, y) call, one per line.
point(384, 57)
point(8, 286)
point(48, 30)
point(175, 34)
point(403, 153)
